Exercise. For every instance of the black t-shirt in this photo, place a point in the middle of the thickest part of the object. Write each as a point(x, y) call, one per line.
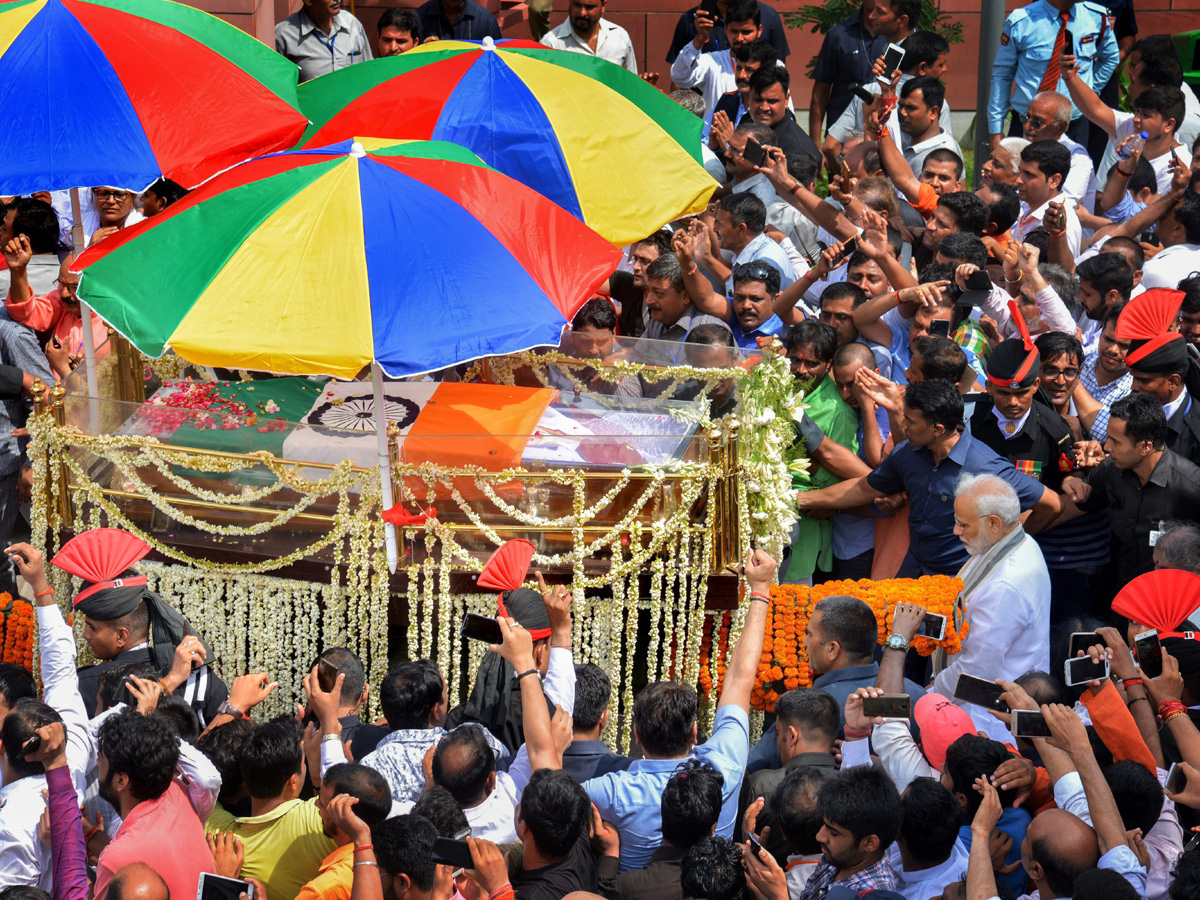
point(553, 882)
point(620, 283)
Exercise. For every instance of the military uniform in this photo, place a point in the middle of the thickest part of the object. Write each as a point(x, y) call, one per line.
point(1040, 447)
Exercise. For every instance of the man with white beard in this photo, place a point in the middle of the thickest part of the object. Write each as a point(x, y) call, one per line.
point(1005, 598)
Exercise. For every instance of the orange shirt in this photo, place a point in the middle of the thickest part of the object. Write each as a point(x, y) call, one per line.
point(927, 200)
point(334, 878)
point(1116, 726)
point(49, 313)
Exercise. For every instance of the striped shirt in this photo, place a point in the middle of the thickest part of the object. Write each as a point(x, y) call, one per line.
point(1106, 396)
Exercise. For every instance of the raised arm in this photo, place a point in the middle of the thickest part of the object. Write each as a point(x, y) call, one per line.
point(699, 288)
point(1088, 101)
point(813, 207)
point(742, 670)
point(517, 648)
point(1070, 736)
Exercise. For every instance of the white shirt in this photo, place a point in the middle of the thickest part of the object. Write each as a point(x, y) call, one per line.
point(495, 818)
point(1169, 409)
point(711, 71)
point(762, 247)
point(1003, 421)
point(1009, 619)
point(1170, 266)
point(612, 43)
point(915, 154)
point(1189, 128)
point(1080, 185)
point(1159, 164)
point(1031, 220)
point(24, 859)
point(929, 882)
point(1164, 843)
point(1050, 306)
point(852, 120)
point(401, 765)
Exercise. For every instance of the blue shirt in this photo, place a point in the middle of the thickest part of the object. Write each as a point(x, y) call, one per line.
point(1013, 822)
point(854, 535)
point(632, 800)
point(847, 54)
point(748, 340)
point(931, 485)
point(474, 24)
point(1027, 45)
point(840, 684)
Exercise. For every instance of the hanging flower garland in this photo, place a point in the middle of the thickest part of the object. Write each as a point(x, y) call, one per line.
point(18, 625)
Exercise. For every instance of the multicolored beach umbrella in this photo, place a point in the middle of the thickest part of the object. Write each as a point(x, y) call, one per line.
point(589, 135)
point(413, 255)
point(119, 92)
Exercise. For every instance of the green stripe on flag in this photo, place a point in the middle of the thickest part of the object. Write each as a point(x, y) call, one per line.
point(146, 287)
point(323, 98)
point(682, 126)
point(443, 150)
point(273, 71)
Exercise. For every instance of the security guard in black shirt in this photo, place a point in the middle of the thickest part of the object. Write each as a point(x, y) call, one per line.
point(1015, 422)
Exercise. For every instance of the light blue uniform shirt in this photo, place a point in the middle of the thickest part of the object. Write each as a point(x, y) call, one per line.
point(1027, 45)
point(632, 800)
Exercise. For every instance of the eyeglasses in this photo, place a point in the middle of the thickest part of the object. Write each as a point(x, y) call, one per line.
point(73, 285)
point(103, 194)
point(1036, 122)
point(751, 272)
point(1056, 374)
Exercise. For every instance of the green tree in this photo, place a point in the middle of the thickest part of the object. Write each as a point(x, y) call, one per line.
point(819, 19)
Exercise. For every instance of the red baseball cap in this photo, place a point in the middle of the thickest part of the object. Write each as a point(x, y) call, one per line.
point(942, 722)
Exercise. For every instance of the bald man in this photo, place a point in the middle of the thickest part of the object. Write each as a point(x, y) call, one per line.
point(1048, 119)
point(137, 881)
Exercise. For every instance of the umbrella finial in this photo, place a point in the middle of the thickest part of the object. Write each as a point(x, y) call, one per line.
point(488, 43)
point(357, 150)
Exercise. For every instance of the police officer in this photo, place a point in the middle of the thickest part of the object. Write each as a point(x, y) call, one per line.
point(1014, 423)
point(1031, 49)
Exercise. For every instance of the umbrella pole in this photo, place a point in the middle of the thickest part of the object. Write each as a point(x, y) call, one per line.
point(385, 471)
point(89, 346)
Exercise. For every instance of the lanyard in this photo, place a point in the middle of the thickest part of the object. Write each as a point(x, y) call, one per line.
point(329, 45)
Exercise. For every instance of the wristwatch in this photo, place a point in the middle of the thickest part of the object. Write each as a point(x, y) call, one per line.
point(227, 710)
point(896, 642)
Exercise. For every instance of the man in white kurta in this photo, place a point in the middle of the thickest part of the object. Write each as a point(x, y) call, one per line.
point(1005, 598)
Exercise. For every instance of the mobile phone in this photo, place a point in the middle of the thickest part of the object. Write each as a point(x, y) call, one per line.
point(843, 166)
point(482, 628)
point(863, 94)
point(449, 852)
point(1068, 44)
point(979, 692)
point(756, 845)
point(710, 9)
point(1080, 641)
point(979, 280)
point(1149, 653)
point(940, 327)
point(218, 887)
point(892, 57)
point(1148, 237)
point(1083, 669)
point(1176, 779)
point(754, 152)
point(30, 746)
point(932, 626)
point(1029, 723)
point(327, 674)
point(889, 706)
point(848, 248)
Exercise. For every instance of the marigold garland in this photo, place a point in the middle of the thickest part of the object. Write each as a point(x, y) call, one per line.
point(18, 627)
point(783, 665)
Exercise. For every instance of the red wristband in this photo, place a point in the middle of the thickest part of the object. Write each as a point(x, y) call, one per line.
point(1129, 681)
point(852, 735)
point(44, 593)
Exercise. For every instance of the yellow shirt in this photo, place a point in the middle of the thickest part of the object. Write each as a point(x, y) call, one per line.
point(336, 878)
point(284, 848)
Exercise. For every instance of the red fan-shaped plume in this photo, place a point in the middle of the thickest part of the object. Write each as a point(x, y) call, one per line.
point(1022, 325)
point(1161, 599)
point(1149, 315)
point(101, 554)
point(508, 566)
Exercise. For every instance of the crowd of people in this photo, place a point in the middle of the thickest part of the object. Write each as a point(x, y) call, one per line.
point(1000, 385)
